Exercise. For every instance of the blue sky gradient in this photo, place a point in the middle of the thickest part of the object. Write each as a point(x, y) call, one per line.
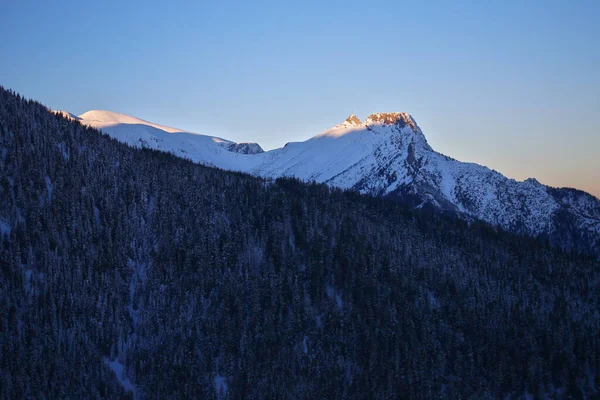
point(513, 85)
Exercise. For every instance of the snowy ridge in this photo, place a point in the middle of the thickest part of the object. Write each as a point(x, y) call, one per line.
point(208, 150)
point(386, 155)
point(66, 114)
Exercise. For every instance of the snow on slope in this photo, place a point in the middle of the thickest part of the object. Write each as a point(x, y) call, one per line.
point(386, 155)
point(109, 118)
point(345, 155)
point(208, 150)
point(66, 114)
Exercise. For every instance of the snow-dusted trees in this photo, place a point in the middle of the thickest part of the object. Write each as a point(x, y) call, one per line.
point(203, 284)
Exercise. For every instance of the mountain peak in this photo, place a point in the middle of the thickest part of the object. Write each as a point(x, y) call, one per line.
point(401, 119)
point(352, 120)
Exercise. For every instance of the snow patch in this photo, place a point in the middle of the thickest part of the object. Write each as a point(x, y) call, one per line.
point(27, 281)
point(138, 276)
point(49, 187)
point(220, 386)
point(5, 228)
point(63, 151)
point(433, 301)
point(334, 294)
point(97, 216)
point(119, 371)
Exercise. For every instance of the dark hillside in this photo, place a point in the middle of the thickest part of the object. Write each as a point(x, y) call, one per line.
point(204, 283)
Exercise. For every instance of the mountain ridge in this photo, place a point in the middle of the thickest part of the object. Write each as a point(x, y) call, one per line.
point(386, 155)
point(138, 274)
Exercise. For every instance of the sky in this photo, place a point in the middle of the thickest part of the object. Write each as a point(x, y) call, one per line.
point(513, 85)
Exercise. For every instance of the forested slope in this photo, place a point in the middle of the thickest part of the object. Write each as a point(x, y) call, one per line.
point(204, 283)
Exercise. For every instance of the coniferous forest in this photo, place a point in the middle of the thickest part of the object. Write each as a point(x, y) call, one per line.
point(130, 273)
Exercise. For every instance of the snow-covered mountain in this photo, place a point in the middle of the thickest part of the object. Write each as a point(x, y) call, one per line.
point(208, 150)
point(386, 155)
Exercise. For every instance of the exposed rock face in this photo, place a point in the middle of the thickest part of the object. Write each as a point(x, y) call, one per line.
point(353, 120)
point(401, 119)
point(244, 148)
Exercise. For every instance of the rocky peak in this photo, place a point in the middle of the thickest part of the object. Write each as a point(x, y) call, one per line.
point(352, 120)
point(401, 119)
point(244, 148)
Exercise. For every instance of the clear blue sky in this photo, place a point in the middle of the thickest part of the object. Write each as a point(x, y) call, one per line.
point(513, 85)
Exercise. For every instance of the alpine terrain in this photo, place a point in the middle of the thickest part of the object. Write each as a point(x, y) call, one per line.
point(130, 273)
point(386, 155)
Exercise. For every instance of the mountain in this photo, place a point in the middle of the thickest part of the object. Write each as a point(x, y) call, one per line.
point(387, 155)
point(203, 149)
point(130, 273)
